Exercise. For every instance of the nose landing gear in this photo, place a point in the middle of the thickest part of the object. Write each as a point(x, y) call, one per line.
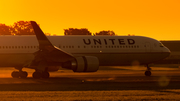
point(148, 71)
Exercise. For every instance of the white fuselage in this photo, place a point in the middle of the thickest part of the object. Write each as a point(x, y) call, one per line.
point(16, 51)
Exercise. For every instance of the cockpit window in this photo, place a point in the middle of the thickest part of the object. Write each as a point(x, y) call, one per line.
point(161, 45)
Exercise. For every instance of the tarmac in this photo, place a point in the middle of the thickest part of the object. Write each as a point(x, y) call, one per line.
point(118, 83)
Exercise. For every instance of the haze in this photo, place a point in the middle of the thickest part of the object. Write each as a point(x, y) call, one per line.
point(158, 19)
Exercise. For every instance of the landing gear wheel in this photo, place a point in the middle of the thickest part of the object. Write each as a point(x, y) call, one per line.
point(23, 74)
point(37, 75)
point(15, 74)
point(45, 75)
point(148, 73)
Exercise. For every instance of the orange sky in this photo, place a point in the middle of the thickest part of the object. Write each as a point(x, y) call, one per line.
point(159, 19)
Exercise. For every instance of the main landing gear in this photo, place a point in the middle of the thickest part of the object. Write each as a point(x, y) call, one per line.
point(41, 70)
point(148, 71)
point(19, 74)
point(24, 74)
point(38, 74)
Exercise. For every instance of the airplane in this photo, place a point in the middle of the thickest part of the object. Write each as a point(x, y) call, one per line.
point(78, 53)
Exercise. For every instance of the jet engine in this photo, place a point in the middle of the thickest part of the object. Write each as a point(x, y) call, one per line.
point(83, 64)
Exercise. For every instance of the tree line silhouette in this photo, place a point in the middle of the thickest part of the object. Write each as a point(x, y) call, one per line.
point(18, 28)
point(25, 28)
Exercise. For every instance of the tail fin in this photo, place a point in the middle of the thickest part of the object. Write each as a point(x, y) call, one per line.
point(44, 43)
point(49, 51)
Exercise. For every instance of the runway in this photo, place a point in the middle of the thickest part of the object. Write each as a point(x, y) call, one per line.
point(114, 84)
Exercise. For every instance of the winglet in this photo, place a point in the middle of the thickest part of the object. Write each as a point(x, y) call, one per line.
point(44, 43)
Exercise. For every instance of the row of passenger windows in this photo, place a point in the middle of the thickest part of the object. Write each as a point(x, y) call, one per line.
point(36, 47)
point(19, 47)
point(124, 46)
point(66, 46)
point(116, 46)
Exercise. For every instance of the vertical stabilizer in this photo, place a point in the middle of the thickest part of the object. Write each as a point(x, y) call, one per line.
point(44, 43)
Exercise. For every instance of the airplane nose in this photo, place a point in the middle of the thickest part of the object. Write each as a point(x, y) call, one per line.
point(167, 51)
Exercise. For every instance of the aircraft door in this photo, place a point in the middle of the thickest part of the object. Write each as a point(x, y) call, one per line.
point(148, 47)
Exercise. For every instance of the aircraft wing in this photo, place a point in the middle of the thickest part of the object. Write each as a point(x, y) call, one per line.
point(47, 51)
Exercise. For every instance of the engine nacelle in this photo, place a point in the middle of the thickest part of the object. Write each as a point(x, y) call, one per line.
point(83, 64)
